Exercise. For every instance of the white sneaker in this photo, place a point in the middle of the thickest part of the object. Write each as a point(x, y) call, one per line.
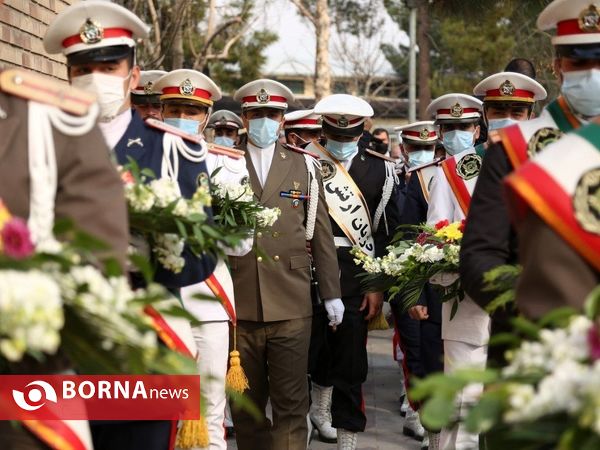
point(404, 407)
point(434, 440)
point(425, 442)
point(346, 440)
point(412, 425)
point(320, 413)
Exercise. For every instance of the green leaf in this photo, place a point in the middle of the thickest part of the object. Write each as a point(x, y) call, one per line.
point(438, 412)
point(526, 327)
point(454, 309)
point(143, 265)
point(486, 413)
point(557, 317)
point(592, 304)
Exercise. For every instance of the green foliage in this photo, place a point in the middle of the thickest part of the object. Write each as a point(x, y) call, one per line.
point(502, 281)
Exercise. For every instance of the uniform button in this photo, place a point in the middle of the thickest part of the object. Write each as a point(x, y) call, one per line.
point(276, 257)
point(275, 234)
point(259, 234)
point(259, 259)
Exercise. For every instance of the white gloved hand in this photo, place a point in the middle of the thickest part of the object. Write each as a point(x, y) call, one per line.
point(335, 311)
point(444, 279)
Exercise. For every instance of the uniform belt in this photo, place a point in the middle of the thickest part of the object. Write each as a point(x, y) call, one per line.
point(342, 242)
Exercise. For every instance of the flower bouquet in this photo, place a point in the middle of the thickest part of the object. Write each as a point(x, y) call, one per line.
point(410, 264)
point(548, 396)
point(234, 207)
point(167, 222)
point(52, 301)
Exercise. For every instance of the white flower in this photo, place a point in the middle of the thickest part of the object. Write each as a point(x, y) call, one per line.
point(31, 314)
point(165, 190)
point(267, 217)
point(139, 197)
point(168, 251)
point(240, 192)
point(431, 254)
point(181, 208)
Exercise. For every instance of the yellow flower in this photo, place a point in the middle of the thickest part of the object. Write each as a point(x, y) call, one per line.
point(450, 232)
point(4, 215)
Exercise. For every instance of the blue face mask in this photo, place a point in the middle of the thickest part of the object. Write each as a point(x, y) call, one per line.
point(225, 141)
point(188, 126)
point(263, 132)
point(342, 150)
point(581, 88)
point(496, 124)
point(457, 141)
point(419, 157)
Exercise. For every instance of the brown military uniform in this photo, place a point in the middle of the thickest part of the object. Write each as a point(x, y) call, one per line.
point(554, 274)
point(89, 189)
point(273, 305)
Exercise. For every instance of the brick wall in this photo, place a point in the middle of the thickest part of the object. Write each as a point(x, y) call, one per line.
point(22, 26)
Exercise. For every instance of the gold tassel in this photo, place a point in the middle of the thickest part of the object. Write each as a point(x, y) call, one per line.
point(236, 379)
point(193, 433)
point(378, 323)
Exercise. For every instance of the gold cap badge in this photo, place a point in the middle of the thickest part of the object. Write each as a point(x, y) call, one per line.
point(148, 88)
point(589, 19)
point(263, 96)
point(424, 134)
point(91, 32)
point(507, 88)
point(186, 87)
point(342, 122)
point(456, 110)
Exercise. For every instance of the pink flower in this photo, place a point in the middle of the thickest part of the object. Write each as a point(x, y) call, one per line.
point(16, 240)
point(594, 342)
point(422, 238)
point(461, 228)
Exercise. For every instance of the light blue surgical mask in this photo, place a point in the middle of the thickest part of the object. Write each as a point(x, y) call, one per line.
point(225, 141)
point(581, 88)
point(263, 132)
point(457, 141)
point(419, 157)
point(188, 126)
point(342, 150)
point(496, 124)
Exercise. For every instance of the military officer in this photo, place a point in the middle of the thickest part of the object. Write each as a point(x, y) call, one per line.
point(489, 239)
point(87, 190)
point(144, 98)
point(420, 327)
point(226, 126)
point(466, 335)
point(189, 109)
point(272, 283)
point(301, 127)
point(358, 187)
point(98, 39)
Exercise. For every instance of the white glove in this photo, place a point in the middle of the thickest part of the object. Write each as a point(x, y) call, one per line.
point(335, 311)
point(444, 279)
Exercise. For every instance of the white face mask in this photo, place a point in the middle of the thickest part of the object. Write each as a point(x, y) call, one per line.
point(109, 91)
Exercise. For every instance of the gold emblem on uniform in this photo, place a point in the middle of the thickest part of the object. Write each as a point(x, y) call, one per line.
point(586, 201)
point(328, 170)
point(507, 88)
point(468, 167)
point(148, 88)
point(263, 96)
point(589, 19)
point(202, 180)
point(296, 185)
point(424, 134)
point(541, 138)
point(342, 122)
point(456, 110)
point(91, 32)
point(186, 87)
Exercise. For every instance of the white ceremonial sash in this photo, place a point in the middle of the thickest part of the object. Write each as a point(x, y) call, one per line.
point(347, 206)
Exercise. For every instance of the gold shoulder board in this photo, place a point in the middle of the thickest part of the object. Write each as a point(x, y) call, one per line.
point(43, 89)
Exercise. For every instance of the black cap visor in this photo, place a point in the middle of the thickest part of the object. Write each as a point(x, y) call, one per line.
point(579, 51)
point(102, 54)
point(351, 132)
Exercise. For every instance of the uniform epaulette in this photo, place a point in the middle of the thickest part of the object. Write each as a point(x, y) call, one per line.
point(435, 162)
point(173, 130)
point(217, 149)
point(42, 89)
point(300, 150)
point(379, 155)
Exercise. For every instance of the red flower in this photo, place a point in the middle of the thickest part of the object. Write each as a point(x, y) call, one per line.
point(127, 177)
point(461, 228)
point(422, 238)
point(16, 240)
point(594, 342)
point(441, 224)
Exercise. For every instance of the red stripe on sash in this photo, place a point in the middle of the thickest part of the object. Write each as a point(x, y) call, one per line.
point(55, 433)
point(166, 333)
point(215, 286)
point(533, 188)
point(457, 184)
point(514, 144)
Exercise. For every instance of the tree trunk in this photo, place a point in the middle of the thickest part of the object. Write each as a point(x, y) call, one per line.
point(177, 49)
point(322, 69)
point(423, 60)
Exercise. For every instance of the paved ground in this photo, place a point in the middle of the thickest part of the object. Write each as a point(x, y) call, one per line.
point(384, 424)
